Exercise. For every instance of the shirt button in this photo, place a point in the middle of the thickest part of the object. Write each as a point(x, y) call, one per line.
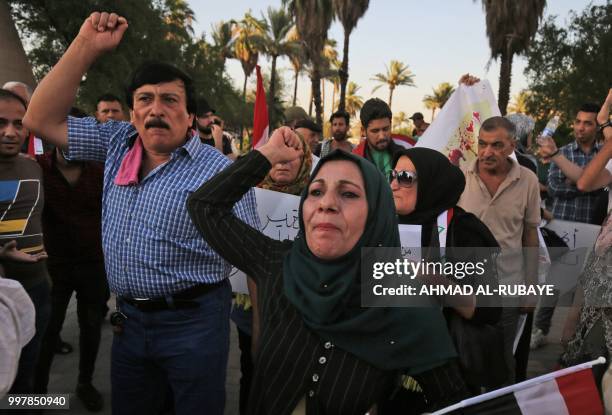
point(315, 378)
point(327, 345)
point(322, 360)
point(127, 241)
point(310, 394)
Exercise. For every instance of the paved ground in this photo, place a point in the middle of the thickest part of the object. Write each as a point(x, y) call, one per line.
point(64, 370)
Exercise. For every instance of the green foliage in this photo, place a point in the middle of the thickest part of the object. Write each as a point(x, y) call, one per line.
point(159, 30)
point(569, 64)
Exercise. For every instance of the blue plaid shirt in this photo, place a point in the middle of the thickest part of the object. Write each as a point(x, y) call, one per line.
point(151, 247)
point(568, 203)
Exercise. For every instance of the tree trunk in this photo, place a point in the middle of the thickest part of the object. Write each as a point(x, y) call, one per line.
point(390, 96)
point(295, 84)
point(244, 87)
point(271, 93)
point(334, 98)
point(311, 97)
point(433, 112)
point(505, 76)
point(344, 71)
point(323, 96)
point(316, 92)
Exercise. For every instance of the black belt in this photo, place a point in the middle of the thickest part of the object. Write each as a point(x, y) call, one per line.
point(181, 300)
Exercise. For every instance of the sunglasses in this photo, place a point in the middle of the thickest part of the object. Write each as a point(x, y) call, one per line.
point(404, 177)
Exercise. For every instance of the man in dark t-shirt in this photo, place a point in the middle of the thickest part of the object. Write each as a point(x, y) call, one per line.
point(21, 205)
point(211, 131)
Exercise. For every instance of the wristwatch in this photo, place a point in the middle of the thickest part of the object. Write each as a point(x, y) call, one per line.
point(604, 125)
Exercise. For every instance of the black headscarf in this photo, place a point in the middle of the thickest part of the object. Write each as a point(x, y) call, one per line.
point(440, 184)
point(328, 292)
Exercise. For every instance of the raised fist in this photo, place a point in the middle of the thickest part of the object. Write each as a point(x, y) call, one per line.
point(103, 31)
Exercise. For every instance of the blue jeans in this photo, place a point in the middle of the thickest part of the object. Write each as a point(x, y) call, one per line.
point(40, 295)
point(186, 349)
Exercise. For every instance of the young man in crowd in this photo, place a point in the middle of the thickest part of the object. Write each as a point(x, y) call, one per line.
point(173, 294)
point(108, 107)
point(377, 146)
point(22, 206)
point(211, 131)
point(72, 224)
point(340, 124)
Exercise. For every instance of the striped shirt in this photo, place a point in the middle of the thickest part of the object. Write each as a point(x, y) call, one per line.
point(568, 203)
point(293, 362)
point(151, 247)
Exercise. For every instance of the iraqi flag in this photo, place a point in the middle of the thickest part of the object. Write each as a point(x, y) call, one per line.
point(570, 391)
point(260, 115)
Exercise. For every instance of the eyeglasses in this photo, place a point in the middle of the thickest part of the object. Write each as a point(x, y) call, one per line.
point(404, 177)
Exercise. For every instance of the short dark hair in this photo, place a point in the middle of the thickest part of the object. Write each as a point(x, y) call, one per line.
point(107, 98)
point(203, 107)
point(340, 114)
point(589, 107)
point(374, 109)
point(497, 122)
point(76, 112)
point(5, 95)
point(308, 124)
point(153, 73)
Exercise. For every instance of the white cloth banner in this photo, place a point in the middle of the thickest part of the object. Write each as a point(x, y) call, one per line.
point(454, 132)
point(278, 215)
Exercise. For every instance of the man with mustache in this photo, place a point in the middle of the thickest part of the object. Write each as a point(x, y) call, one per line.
point(377, 145)
point(173, 295)
point(506, 197)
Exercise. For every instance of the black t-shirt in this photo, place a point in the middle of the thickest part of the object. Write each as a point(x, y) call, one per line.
point(227, 146)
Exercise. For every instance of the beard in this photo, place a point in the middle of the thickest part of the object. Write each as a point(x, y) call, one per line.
point(339, 135)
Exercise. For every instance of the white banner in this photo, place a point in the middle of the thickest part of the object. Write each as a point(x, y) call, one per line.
point(454, 132)
point(278, 215)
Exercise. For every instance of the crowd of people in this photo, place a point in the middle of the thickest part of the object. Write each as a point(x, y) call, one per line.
point(158, 209)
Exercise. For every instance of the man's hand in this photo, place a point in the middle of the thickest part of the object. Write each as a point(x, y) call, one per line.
point(283, 146)
point(547, 147)
point(9, 251)
point(468, 80)
point(102, 32)
point(217, 135)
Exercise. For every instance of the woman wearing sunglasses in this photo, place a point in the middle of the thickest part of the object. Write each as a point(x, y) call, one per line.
point(427, 187)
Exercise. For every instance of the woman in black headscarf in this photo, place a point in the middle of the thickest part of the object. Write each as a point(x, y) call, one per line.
point(321, 352)
point(426, 185)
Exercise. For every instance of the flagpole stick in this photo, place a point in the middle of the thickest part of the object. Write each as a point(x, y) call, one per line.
point(519, 386)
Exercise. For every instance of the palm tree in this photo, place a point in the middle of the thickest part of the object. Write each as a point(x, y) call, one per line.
point(334, 78)
point(277, 43)
point(223, 40)
point(247, 34)
point(348, 12)
point(398, 74)
point(330, 55)
point(520, 102)
point(313, 18)
point(354, 102)
point(440, 95)
point(400, 120)
point(511, 25)
point(297, 57)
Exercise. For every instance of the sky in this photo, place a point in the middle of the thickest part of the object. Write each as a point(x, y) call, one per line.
point(438, 39)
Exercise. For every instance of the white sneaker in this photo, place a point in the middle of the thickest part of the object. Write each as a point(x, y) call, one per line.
point(538, 339)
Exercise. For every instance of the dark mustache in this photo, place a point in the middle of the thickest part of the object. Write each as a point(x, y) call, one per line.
point(156, 123)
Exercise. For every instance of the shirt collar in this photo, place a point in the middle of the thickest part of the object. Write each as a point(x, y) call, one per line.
point(513, 174)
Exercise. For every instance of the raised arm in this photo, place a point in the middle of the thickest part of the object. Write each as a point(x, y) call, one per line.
point(595, 175)
point(48, 110)
point(210, 207)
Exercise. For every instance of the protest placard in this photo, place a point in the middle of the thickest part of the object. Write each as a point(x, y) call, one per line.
point(454, 132)
point(278, 215)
